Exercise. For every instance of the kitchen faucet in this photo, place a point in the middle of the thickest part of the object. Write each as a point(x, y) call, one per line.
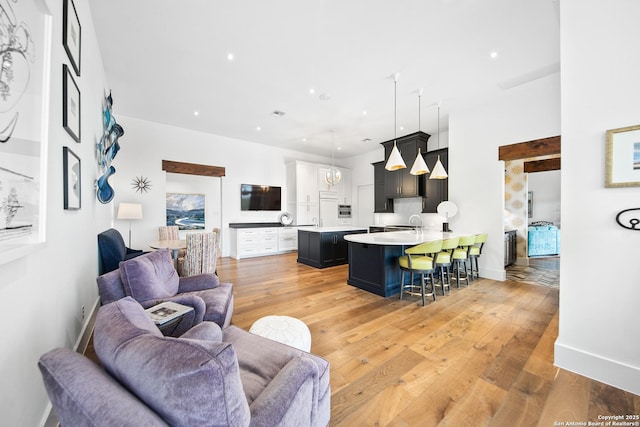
point(416, 217)
point(314, 220)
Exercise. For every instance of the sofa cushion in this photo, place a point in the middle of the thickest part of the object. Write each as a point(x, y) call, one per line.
point(186, 381)
point(150, 276)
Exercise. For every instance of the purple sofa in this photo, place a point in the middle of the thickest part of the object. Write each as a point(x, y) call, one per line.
point(151, 278)
point(207, 377)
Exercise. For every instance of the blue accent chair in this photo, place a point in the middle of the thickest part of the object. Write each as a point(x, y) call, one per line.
point(112, 250)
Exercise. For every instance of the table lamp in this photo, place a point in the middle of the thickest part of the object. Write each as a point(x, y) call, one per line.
point(130, 211)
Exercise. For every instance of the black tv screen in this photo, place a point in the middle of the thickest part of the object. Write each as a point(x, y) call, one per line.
point(260, 197)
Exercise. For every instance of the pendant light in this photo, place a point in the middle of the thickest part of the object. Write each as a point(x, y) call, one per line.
point(333, 175)
point(438, 170)
point(419, 166)
point(395, 160)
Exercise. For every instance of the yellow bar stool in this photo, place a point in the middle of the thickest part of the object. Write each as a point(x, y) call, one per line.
point(420, 260)
point(443, 262)
point(475, 251)
point(460, 257)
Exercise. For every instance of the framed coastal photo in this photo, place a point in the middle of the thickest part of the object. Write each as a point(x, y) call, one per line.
point(71, 34)
point(622, 164)
point(70, 104)
point(71, 179)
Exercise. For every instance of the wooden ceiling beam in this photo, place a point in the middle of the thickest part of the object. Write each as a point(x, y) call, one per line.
point(536, 148)
point(542, 165)
point(192, 169)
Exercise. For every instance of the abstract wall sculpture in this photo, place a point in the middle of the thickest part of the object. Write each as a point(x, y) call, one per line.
point(108, 147)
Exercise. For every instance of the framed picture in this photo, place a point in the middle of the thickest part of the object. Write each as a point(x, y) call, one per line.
point(24, 137)
point(70, 104)
point(186, 211)
point(530, 204)
point(622, 165)
point(71, 34)
point(71, 179)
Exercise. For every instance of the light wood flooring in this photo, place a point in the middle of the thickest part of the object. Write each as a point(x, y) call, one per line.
point(540, 271)
point(480, 356)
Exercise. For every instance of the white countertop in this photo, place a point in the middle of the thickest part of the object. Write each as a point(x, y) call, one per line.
point(332, 229)
point(408, 238)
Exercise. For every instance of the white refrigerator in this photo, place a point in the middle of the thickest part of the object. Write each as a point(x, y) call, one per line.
point(328, 209)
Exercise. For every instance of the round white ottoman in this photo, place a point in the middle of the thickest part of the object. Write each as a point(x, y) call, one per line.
point(284, 329)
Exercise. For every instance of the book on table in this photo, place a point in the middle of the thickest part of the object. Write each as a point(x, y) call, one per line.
point(167, 311)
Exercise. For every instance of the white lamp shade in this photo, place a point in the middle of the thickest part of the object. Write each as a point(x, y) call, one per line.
point(419, 165)
point(438, 171)
point(395, 160)
point(130, 211)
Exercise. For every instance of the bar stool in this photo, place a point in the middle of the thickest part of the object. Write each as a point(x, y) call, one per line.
point(460, 257)
point(420, 260)
point(475, 251)
point(444, 262)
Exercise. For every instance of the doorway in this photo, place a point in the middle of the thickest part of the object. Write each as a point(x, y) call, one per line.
point(532, 209)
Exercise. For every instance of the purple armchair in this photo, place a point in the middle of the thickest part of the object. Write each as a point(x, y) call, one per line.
point(151, 278)
point(207, 377)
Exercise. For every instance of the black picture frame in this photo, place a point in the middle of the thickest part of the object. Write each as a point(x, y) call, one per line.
point(72, 168)
point(71, 34)
point(70, 104)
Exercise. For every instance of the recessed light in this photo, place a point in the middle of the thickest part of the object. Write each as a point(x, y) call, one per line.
point(364, 112)
point(493, 54)
point(195, 113)
point(304, 139)
point(312, 91)
point(229, 56)
point(258, 128)
point(339, 148)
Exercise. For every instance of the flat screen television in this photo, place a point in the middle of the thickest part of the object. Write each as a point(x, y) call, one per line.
point(260, 197)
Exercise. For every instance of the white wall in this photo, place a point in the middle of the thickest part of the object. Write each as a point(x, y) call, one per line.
point(43, 292)
point(144, 146)
point(598, 301)
point(476, 176)
point(546, 196)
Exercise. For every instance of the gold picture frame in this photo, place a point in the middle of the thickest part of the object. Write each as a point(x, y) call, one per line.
point(622, 164)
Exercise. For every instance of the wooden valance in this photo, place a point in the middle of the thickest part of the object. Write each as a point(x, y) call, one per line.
point(536, 148)
point(542, 165)
point(192, 169)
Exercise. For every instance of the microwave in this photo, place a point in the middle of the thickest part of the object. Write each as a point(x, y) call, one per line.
point(344, 211)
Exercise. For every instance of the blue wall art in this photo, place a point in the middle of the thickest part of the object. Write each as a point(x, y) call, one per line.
point(108, 147)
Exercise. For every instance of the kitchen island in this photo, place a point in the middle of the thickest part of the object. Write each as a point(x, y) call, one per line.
point(322, 247)
point(373, 257)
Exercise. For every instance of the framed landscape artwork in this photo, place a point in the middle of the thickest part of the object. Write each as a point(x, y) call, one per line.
point(24, 114)
point(622, 165)
point(186, 211)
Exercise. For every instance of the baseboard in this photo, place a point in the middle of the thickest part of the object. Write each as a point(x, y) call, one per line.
point(499, 275)
point(85, 335)
point(611, 372)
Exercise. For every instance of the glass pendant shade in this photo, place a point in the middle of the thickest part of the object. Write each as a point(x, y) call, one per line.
point(419, 166)
point(395, 160)
point(333, 176)
point(438, 171)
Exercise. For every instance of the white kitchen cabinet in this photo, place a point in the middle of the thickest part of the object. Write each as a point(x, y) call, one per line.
point(261, 241)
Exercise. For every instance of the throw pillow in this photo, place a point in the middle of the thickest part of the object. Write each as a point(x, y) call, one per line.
point(150, 276)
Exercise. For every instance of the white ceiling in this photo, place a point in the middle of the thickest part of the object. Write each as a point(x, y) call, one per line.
point(166, 59)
